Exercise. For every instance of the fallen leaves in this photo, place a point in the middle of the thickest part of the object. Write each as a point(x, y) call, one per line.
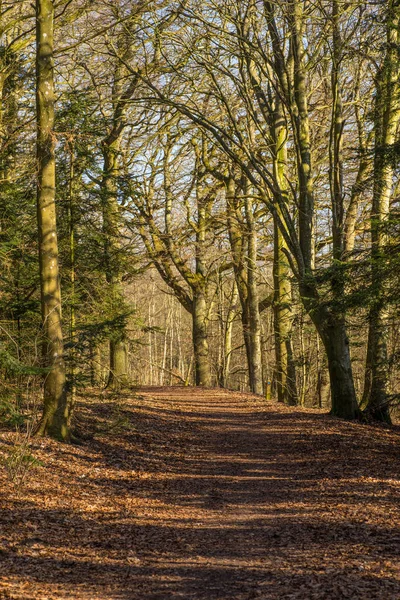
point(205, 494)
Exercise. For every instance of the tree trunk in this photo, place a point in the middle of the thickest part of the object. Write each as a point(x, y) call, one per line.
point(254, 345)
point(252, 341)
point(228, 330)
point(118, 371)
point(55, 413)
point(200, 341)
point(72, 276)
point(256, 376)
point(387, 117)
point(376, 372)
point(283, 321)
point(9, 94)
point(118, 376)
point(323, 389)
point(332, 329)
point(330, 323)
point(244, 262)
point(283, 315)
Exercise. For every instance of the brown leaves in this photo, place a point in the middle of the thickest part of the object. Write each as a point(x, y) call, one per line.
point(206, 494)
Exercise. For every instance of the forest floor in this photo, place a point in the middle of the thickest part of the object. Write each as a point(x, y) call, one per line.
point(201, 494)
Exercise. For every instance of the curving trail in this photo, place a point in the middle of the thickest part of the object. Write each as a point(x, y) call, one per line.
point(204, 494)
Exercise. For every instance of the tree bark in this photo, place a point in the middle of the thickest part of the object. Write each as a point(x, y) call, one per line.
point(387, 118)
point(243, 242)
point(330, 323)
point(283, 314)
point(228, 330)
point(323, 388)
point(337, 349)
point(72, 277)
point(256, 375)
point(118, 376)
point(55, 416)
point(331, 326)
point(283, 321)
point(111, 219)
point(200, 339)
point(96, 374)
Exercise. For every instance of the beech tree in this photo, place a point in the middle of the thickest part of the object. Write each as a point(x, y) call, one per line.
point(386, 126)
point(249, 78)
point(55, 419)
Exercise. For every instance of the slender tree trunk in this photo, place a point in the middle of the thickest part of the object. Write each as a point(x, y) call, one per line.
point(303, 386)
point(9, 94)
point(167, 337)
point(256, 379)
point(221, 330)
point(200, 300)
point(283, 314)
point(111, 218)
point(188, 377)
point(228, 330)
point(252, 339)
point(363, 172)
point(72, 275)
point(283, 321)
point(55, 413)
point(3, 77)
point(356, 193)
point(172, 347)
point(323, 389)
point(118, 374)
point(96, 375)
point(244, 253)
point(200, 341)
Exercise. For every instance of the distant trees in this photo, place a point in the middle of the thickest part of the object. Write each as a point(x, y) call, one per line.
point(237, 70)
point(121, 93)
point(242, 232)
point(174, 212)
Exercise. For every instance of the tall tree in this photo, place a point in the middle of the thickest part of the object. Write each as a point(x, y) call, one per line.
point(283, 312)
point(386, 124)
point(246, 104)
point(55, 414)
point(112, 217)
point(243, 241)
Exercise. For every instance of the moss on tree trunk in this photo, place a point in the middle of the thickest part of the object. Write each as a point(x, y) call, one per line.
point(55, 414)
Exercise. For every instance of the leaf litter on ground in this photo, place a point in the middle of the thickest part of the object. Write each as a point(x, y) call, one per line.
point(203, 494)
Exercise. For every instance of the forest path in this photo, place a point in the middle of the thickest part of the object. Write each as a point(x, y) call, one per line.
point(204, 494)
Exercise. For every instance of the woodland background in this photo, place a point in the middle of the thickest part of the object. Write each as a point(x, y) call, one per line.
point(209, 191)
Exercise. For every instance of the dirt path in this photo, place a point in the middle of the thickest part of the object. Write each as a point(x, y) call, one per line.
point(191, 494)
